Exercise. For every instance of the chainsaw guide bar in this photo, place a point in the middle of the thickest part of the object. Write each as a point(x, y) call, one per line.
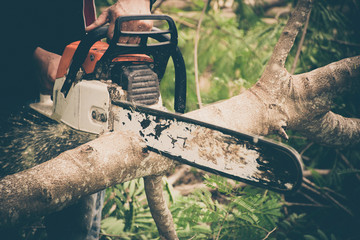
point(247, 158)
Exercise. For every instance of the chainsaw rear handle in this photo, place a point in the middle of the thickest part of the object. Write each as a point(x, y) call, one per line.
point(161, 51)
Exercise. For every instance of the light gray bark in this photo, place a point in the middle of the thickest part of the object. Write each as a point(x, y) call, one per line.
point(158, 207)
point(112, 158)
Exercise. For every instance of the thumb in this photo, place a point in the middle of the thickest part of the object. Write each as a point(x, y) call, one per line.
point(101, 20)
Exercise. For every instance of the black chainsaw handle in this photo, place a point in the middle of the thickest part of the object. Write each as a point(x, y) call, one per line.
point(167, 40)
point(144, 34)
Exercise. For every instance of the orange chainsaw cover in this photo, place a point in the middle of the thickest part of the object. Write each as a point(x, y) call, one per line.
point(94, 55)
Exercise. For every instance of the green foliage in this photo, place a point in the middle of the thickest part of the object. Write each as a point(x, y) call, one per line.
point(230, 59)
point(297, 227)
point(126, 213)
point(239, 213)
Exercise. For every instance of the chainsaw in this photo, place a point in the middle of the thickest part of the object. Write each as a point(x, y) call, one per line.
point(102, 87)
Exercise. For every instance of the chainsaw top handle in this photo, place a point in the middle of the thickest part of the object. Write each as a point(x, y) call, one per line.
point(160, 51)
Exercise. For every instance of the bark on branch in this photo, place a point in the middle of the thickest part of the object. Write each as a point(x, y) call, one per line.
point(288, 36)
point(112, 158)
point(313, 94)
point(158, 207)
point(333, 130)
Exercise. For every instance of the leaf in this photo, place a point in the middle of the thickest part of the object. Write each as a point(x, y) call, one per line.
point(202, 229)
point(322, 235)
point(309, 237)
point(132, 187)
point(113, 225)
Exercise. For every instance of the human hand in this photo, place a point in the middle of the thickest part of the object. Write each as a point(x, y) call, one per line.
point(122, 8)
point(47, 65)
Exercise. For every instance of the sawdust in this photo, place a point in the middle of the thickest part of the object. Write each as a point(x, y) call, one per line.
point(215, 145)
point(28, 139)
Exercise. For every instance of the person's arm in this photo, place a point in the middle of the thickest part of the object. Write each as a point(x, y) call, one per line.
point(46, 64)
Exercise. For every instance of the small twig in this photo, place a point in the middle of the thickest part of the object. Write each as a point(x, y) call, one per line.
point(183, 22)
point(222, 224)
point(308, 184)
point(300, 44)
point(308, 173)
point(310, 198)
point(269, 233)
point(290, 204)
point(338, 204)
point(286, 212)
point(196, 67)
point(157, 5)
point(335, 193)
point(347, 162)
point(345, 43)
point(306, 148)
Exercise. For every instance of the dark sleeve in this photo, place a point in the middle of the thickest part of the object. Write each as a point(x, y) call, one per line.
point(28, 24)
point(58, 23)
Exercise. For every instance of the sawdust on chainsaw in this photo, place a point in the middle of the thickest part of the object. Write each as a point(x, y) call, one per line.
point(224, 148)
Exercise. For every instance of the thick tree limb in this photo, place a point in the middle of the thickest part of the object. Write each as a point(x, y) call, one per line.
point(329, 81)
point(312, 95)
point(333, 130)
point(110, 159)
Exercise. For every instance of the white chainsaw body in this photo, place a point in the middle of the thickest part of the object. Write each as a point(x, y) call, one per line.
point(86, 107)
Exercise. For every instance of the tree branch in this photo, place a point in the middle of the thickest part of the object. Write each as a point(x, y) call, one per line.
point(334, 130)
point(196, 43)
point(330, 80)
point(312, 95)
point(297, 55)
point(288, 36)
point(158, 207)
point(51, 186)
